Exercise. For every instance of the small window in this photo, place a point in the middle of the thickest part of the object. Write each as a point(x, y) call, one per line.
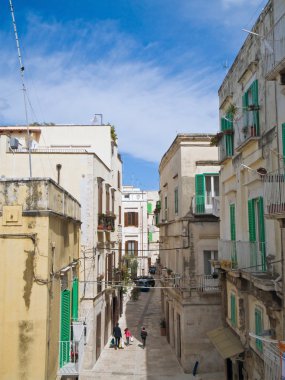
point(176, 200)
point(208, 256)
point(131, 219)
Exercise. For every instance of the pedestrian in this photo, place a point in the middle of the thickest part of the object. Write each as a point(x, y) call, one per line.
point(128, 335)
point(143, 336)
point(118, 335)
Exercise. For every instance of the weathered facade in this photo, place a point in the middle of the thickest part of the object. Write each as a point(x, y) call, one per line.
point(189, 232)
point(251, 146)
point(152, 229)
point(39, 261)
point(85, 160)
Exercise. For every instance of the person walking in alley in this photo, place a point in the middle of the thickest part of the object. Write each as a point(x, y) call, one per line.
point(118, 335)
point(143, 336)
point(128, 335)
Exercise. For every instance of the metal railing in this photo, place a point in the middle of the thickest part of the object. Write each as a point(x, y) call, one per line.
point(106, 222)
point(205, 205)
point(274, 193)
point(243, 255)
point(274, 46)
point(207, 284)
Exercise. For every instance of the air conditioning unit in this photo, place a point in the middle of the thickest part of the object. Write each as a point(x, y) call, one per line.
point(14, 143)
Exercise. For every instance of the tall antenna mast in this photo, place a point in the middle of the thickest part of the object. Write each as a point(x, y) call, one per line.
point(22, 68)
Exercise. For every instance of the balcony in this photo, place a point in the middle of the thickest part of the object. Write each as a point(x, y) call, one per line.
point(205, 205)
point(274, 194)
point(274, 51)
point(249, 132)
point(71, 352)
point(242, 255)
point(206, 283)
point(106, 222)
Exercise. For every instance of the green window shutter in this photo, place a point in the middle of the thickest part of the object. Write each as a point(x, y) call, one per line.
point(149, 207)
point(261, 230)
point(251, 220)
point(75, 299)
point(244, 109)
point(233, 222)
point(254, 91)
point(64, 327)
point(283, 142)
point(200, 193)
point(150, 236)
point(176, 201)
point(258, 328)
point(233, 310)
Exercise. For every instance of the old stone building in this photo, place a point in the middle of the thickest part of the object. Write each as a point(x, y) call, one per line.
point(189, 232)
point(251, 147)
point(84, 160)
point(39, 268)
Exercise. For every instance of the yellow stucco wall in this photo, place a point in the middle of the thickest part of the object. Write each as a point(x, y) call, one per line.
point(32, 246)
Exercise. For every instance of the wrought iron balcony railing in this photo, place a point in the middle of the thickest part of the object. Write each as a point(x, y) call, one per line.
point(106, 222)
point(242, 255)
point(205, 205)
point(274, 194)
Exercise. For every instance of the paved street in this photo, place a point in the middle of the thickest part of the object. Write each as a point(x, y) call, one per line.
point(156, 361)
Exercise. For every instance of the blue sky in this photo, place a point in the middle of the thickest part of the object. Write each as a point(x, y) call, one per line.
point(152, 67)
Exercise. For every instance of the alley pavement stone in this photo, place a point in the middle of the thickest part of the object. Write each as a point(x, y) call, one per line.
point(156, 361)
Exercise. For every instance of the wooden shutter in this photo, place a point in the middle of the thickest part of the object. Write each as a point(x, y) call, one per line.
point(75, 299)
point(149, 208)
point(254, 91)
point(233, 222)
point(136, 248)
point(64, 327)
point(150, 236)
point(126, 248)
point(233, 309)
point(244, 109)
point(251, 220)
point(136, 219)
point(126, 219)
point(200, 193)
point(283, 142)
point(261, 230)
point(258, 328)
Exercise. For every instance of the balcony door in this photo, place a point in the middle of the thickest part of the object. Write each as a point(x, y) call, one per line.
point(211, 189)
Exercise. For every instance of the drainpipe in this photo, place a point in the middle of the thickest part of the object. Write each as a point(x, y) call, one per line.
point(58, 168)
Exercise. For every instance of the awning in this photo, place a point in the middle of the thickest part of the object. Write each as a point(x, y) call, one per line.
point(226, 343)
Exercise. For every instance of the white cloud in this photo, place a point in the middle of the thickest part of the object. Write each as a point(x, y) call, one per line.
point(147, 106)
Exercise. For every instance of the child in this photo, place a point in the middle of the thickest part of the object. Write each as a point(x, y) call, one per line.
point(143, 336)
point(128, 335)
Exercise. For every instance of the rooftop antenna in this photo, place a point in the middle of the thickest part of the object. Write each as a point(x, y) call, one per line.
point(22, 68)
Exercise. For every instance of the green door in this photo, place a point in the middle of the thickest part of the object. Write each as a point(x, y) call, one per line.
point(261, 229)
point(64, 328)
point(233, 234)
point(258, 328)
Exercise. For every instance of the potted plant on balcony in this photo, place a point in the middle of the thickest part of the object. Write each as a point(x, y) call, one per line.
point(163, 327)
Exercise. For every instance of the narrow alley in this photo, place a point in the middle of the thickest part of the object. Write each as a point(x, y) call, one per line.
point(156, 361)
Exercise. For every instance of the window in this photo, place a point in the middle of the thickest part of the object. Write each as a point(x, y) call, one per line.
point(228, 137)
point(113, 201)
point(149, 208)
point(119, 179)
point(256, 226)
point(131, 219)
point(283, 142)
point(206, 187)
point(258, 327)
point(150, 236)
point(251, 111)
point(233, 234)
point(233, 310)
point(131, 248)
point(107, 198)
point(64, 327)
point(100, 198)
point(120, 216)
point(165, 207)
point(75, 299)
point(209, 255)
point(176, 200)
